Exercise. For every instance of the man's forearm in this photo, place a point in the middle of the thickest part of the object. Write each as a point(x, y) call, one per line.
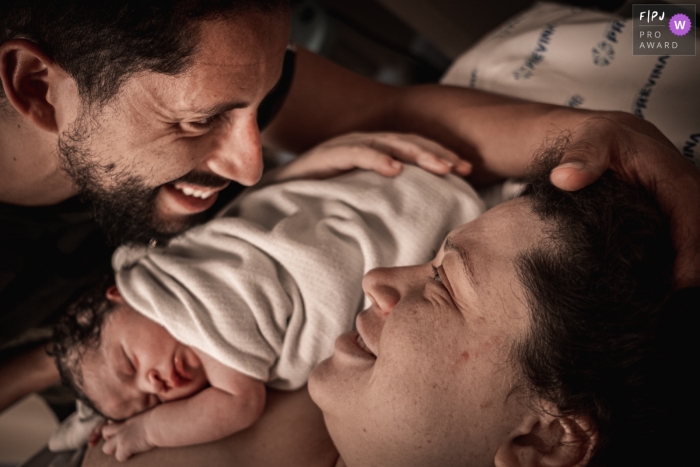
point(496, 132)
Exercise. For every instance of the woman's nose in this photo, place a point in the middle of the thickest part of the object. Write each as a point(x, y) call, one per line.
point(378, 285)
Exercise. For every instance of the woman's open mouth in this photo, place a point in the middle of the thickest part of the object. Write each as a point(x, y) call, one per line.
point(363, 346)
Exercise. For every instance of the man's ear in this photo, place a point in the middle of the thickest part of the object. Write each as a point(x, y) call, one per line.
point(32, 82)
point(114, 295)
point(549, 440)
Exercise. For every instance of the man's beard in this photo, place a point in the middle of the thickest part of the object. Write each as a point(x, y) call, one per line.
point(121, 203)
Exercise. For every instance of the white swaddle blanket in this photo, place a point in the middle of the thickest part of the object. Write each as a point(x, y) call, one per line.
point(268, 285)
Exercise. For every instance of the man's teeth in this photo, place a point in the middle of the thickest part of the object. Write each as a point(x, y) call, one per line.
point(194, 192)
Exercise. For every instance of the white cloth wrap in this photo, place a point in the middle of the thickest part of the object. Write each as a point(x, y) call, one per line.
point(267, 286)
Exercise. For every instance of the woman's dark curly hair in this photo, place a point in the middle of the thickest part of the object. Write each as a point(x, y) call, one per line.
point(78, 330)
point(598, 292)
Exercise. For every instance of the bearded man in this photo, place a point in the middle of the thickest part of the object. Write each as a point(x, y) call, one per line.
point(129, 121)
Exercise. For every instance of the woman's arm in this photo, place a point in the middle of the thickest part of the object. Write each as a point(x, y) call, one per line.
point(290, 432)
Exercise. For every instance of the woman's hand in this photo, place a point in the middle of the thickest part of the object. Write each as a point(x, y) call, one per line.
point(638, 153)
point(380, 152)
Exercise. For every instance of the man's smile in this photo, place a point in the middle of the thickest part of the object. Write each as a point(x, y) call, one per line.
point(196, 190)
point(185, 198)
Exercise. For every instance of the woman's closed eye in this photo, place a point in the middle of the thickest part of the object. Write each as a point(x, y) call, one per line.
point(129, 367)
point(436, 275)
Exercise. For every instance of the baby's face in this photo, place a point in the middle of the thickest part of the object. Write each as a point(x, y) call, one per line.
point(138, 365)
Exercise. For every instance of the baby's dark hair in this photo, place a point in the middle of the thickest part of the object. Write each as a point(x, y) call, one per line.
point(78, 330)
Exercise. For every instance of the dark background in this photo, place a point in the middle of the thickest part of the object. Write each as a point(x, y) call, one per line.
point(404, 41)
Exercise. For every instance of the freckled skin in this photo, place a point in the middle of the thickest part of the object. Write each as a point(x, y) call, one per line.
point(442, 371)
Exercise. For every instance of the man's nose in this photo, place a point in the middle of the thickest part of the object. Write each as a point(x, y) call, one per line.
point(237, 153)
point(378, 285)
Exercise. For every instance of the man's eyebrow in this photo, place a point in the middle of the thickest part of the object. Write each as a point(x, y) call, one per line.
point(220, 108)
point(465, 259)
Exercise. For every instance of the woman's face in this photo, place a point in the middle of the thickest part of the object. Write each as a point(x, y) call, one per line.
point(427, 379)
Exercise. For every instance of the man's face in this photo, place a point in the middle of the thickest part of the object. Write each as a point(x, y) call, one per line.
point(437, 391)
point(138, 365)
point(156, 155)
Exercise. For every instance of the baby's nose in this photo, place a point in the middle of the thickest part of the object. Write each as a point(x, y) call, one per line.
point(155, 381)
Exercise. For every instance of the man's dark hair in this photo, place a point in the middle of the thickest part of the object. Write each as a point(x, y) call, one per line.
point(78, 330)
point(102, 43)
point(597, 288)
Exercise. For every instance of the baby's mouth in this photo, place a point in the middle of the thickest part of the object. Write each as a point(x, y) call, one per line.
point(179, 377)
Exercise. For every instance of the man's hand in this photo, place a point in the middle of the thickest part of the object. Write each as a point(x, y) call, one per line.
point(381, 152)
point(123, 440)
point(638, 153)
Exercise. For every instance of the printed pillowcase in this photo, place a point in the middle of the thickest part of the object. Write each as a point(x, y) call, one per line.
point(569, 56)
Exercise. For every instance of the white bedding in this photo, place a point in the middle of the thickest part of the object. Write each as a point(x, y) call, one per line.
point(569, 56)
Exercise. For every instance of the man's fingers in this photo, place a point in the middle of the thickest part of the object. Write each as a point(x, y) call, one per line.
point(572, 176)
point(588, 155)
point(427, 154)
point(459, 166)
point(409, 151)
point(372, 159)
point(648, 160)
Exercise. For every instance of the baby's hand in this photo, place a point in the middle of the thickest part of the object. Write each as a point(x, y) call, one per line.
point(381, 152)
point(125, 439)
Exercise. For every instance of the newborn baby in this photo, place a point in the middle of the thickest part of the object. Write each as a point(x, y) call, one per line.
point(139, 366)
point(180, 350)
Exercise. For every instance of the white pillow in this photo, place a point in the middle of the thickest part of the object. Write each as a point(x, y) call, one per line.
point(569, 56)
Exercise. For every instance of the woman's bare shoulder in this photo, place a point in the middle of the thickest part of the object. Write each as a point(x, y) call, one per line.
point(290, 432)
